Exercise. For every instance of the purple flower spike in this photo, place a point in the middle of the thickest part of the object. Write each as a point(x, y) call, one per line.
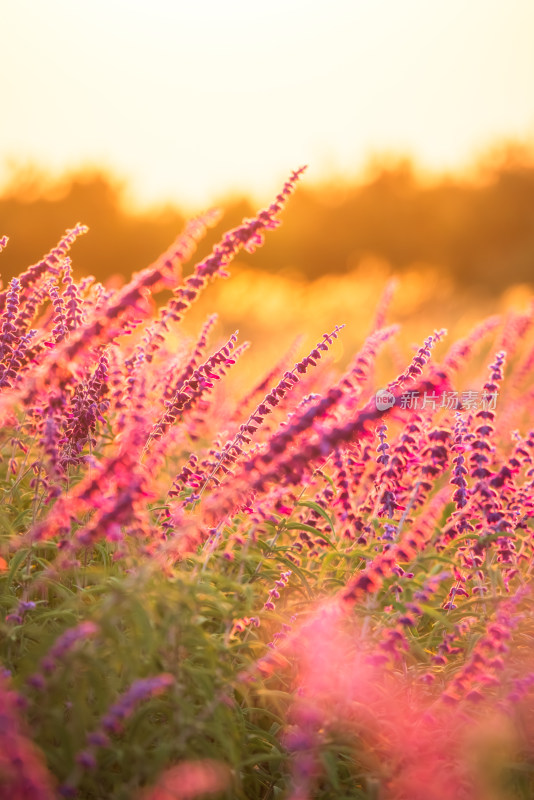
point(138, 691)
point(61, 647)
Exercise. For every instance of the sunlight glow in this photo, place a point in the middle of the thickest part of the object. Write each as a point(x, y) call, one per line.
point(190, 101)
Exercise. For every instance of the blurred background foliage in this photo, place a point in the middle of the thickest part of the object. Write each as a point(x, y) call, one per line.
point(476, 228)
point(462, 246)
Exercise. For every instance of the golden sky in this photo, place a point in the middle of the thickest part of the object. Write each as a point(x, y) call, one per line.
point(192, 100)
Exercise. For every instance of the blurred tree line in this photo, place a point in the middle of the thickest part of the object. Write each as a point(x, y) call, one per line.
point(479, 229)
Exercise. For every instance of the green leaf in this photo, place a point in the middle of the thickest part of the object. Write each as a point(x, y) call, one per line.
point(440, 616)
point(319, 510)
point(276, 755)
point(310, 529)
point(15, 563)
point(330, 764)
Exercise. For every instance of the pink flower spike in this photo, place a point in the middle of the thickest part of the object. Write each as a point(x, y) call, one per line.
point(189, 780)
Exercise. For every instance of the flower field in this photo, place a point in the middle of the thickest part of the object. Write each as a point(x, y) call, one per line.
point(319, 587)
